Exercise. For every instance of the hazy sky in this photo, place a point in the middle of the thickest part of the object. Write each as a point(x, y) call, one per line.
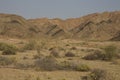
point(57, 8)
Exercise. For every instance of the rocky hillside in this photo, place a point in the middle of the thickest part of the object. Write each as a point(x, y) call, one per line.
point(97, 26)
point(16, 26)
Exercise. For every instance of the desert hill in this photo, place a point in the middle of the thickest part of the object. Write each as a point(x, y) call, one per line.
point(97, 26)
point(16, 26)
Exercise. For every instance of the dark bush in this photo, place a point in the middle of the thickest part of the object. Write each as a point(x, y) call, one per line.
point(73, 48)
point(96, 55)
point(9, 51)
point(55, 53)
point(70, 54)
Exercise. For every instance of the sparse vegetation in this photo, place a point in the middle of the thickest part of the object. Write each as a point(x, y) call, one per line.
point(108, 53)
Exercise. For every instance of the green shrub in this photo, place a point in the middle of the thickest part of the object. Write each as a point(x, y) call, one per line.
point(8, 49)
point(82, 67)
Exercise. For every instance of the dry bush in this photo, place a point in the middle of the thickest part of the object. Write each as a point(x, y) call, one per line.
point(74, 66)
point(70, 54)
point(110, 52)
point(4, 61)
point(82, 67)
point(30, 45)
point(47, 63)
point(21, 65)
point(73, 48)
point(99, 74)
point(96, 55)
point(54, 53)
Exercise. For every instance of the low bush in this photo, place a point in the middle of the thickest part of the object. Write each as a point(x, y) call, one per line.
point(73, 48)
point(99, 74)
point(96, 55)
point(70, 54)
point(54, 53)
point(110, 52)
point(8, 49)
point(23, 65)
point(30, 45)
point(82, 67)
point(4, 61)
point(74, 66)
point(47, 63)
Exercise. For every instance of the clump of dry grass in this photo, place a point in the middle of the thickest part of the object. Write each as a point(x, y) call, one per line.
point(5, 61)
point(99, 74)
point(47, 63)
point(74, 66)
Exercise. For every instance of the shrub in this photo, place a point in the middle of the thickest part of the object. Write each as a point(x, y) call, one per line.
point(54, 53)
point(82, 67)
point(23, 65)
point(96, 55)
point(7, 61)
point(47, 63)
point(30, 45)
point(74, 66)
point(73, 48)
point(99, 74)
point(110, 52)
point(70, 54)
point(8, 49)
point(96, 74)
